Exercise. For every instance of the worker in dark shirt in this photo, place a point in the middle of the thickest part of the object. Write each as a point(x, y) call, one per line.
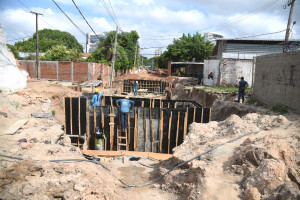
point(242, 86)
point(199, 78)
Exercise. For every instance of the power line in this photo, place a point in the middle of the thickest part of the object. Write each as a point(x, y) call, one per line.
point(259, 35)
point(108, 11)
point(86, 20)
point(114, 13)
point(68, 18)
point(30, 10)
point(18, 38)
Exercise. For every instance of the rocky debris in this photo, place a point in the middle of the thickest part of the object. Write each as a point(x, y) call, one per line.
point(260, 166)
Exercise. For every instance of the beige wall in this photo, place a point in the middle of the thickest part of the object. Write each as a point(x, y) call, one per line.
point(277, 79)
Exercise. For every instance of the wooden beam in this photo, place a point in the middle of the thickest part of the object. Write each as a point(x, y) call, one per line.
point(185, 123)
point(161, 130)
point(145, 129)
point(136, 130)
point(65, 128)
point(194, 117)
point(209, 115)
point(79, 127)
point(88, 123)
point(71, 122)
point(169, 131)
point(156, 156)
point(128, 127)
point(95, 124)
point(102, 124)
point(202, 115)
point(177, 131)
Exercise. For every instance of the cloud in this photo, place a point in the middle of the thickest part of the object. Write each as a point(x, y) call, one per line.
point(156, 21)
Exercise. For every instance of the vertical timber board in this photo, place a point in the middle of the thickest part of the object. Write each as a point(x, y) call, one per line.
point(177, 130)
point(161, 130)
point(94, 128)
point(194, 114)
point(198, 114)
point(169, 132)
point(75, 111)
point(83, 117)
point(65, 127)
point(79, 133)
point(88, 123)
point(136, 135)
point(202, 110)
point(71, 127)
point(102, 123)
point(185, 123)
point(128, 127)
point(206, 115)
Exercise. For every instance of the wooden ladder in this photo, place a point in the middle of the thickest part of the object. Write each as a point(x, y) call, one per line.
point(122, 139)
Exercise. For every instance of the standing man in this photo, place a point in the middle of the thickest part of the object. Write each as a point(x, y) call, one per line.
point(210, 79)
point(136, 87)
point(242, 86)
point(199, 78)
point(125, 105)
point(96, 98)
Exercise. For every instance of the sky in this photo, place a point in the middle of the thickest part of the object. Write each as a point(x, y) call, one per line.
point(158, 22)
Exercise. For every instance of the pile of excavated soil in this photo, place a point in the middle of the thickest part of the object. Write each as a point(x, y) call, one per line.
point(143, 75)
point(259, 166)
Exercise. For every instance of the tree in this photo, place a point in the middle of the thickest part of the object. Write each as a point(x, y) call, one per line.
point(125, 53)
point(184, 49)
point(47, 39)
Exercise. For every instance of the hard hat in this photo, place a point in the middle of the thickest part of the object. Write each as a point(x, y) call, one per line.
point(127, 97)
point(96, 90)
point(136, 81)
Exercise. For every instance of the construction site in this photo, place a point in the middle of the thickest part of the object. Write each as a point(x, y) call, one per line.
point(183, 138)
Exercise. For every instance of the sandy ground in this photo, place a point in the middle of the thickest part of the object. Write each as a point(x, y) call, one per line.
point(260, 166)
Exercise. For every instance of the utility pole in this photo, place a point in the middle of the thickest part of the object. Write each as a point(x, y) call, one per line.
point(37, 45)
point(113, 59)
point(287, 33)
point(135, 54)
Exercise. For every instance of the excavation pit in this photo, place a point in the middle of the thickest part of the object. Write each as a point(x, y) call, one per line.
point(154, 125)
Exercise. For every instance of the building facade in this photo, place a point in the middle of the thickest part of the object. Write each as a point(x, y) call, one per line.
point(92, 41)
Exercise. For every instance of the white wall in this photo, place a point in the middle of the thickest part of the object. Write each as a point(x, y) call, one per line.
point(211, 66)
point(232, 70)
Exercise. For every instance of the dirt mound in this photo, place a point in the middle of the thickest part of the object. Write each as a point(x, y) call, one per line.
point(262, 165)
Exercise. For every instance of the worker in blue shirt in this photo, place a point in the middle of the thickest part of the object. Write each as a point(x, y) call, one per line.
point(96, 98)
point(242, 86)
point(135, 87)
point(125, 105)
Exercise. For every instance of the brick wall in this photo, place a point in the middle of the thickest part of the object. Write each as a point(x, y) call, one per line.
point(68, 71)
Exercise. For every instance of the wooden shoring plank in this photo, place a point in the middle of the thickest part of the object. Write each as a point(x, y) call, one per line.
point(65, 129)
point(168, 104)
point(102, 125)
point(152, 135)
point(169, 131)
point(135, 130)
point(156, 156)
point(79, 118)
point(185, 123)
point(177, 130)
point(194, 116)
point(209, 114)
point(202, 109)
point(111, 102)
point(145, 129)
point(71, 121)
point(95, 121)
point(87, 123)
point(175, 105)
point(161, 130)
point(112, 127)
point(128, 129)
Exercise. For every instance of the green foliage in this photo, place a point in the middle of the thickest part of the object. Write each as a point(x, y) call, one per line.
point(125, 49)
point(53, 112)
point(251, 101)
point(280, 108)
point(60, 53)
point(47, 39)
point(185, 49)
point(13, 50)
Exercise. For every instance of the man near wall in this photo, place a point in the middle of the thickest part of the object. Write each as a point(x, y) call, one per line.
point(242, 86)
point(125, 105)
point(210, 79)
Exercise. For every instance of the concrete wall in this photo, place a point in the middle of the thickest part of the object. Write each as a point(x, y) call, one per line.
point(211, 66)
point(232, 69)
point(228, 71)
point(277, 79)
point(68, 71)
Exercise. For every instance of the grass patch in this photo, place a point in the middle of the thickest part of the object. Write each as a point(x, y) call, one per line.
point(251, 101)
point(53, 112)
point(280, 108)
point(224, 89)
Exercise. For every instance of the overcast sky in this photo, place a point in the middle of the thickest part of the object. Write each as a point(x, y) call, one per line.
point(157, 22)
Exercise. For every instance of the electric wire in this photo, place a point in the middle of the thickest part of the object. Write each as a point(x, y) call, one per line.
point(154, 180)
point(114, 13)
point(85, 20)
